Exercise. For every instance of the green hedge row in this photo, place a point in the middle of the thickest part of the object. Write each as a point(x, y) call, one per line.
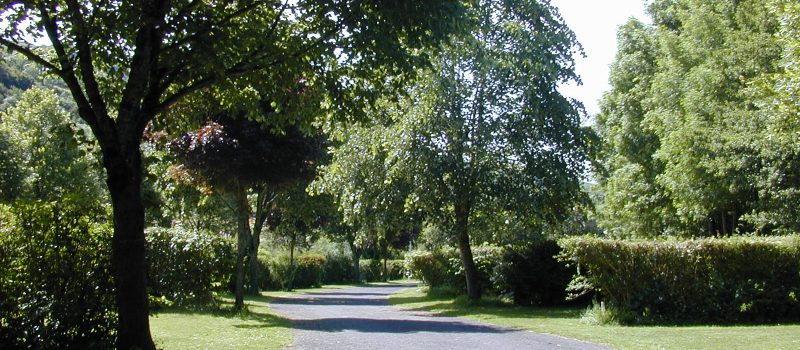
point(528, 273)
point(186, 267)
point(717, 280)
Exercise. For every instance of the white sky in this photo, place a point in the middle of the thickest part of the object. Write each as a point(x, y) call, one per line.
point(595, 23)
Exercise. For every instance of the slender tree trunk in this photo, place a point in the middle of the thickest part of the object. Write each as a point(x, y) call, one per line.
point(465, 251)
point(356, 260)
point(243, 243)
point(254, 266)
point(123, 168)
point(291, 262)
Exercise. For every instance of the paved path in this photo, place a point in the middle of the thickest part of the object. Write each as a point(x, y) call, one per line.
point(361, 318)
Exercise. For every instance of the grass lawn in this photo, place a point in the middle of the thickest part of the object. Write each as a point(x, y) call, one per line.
point(567, 322)
point(255, 328)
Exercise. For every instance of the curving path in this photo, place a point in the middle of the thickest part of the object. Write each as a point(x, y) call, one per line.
point(361, 318)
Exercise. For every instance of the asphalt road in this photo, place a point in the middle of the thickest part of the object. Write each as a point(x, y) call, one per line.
point(361, 318)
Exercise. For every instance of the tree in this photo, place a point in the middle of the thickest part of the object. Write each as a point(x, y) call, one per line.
point(238, 156)
point(298, 219)
point(487, 130)
point(682, 129)
point(634, 203)
point(124, 63)
point(48, 155)
point(371, 201)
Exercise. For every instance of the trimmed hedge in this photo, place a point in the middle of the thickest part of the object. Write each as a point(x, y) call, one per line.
point(186, 267)
point(705, 280)
point(432, 268)
point(531, 275)
point(338, 269)
point(309, 269)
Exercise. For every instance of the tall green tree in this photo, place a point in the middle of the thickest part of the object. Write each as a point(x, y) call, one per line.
point(48, 155)
point(778, 182)
point(681, 121)
point(372, 202)
point(124, 63)
point(634, 203)
point(487, 130)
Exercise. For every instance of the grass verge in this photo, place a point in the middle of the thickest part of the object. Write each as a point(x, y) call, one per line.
point(254, 328)
point(567, 322)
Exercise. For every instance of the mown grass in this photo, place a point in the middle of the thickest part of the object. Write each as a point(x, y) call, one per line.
point(256, 327)
point(567, 322)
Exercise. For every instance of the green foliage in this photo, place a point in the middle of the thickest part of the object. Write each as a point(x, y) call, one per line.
point(186, 267)
point(697, 125)
point(48, 156)
point(338, 269)
point(395, 269)
point(309, 271)
point(371, 270)
point(531, 275)
point(527, 273)
point(717, 280)
point(56, 289)
point(428, 267)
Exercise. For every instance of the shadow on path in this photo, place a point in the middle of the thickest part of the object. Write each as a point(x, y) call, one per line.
point(376, 325)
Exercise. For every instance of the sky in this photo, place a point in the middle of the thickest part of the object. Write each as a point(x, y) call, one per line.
point(595, 24)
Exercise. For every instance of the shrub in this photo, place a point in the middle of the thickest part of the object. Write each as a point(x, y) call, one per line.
point(371, 270)
point(486, 258)
point(531, 275)
point(444, 267)
point(429, 267)
point(281, 272)
point(338, 269)
point(308, 271)
point(56, 287)
point(721, 280)
point(186, 267)
point(395, 269)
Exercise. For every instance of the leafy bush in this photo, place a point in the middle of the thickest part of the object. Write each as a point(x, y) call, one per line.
point(371, 270)
point(429, 267)
point(731, 279)
point(56, 287)
point(531, 275)
point(396, 269)
point(444, 267)
point(338, 269)
point(309, 270)
point(186, 267)
point(281, 272)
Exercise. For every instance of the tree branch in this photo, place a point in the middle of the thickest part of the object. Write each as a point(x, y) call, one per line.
point(67, 71)
point(27, 52)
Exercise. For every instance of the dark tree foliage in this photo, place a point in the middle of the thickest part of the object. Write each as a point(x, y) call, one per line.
point(228, 152)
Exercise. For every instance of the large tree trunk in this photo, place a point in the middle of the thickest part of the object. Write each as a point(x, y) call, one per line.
point(243, 243)
point(123, 168)
point(465, 251)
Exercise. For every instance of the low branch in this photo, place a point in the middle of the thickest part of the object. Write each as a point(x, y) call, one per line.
point(27, 52)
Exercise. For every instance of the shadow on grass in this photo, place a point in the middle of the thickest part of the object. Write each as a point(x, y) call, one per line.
point(255, 310)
